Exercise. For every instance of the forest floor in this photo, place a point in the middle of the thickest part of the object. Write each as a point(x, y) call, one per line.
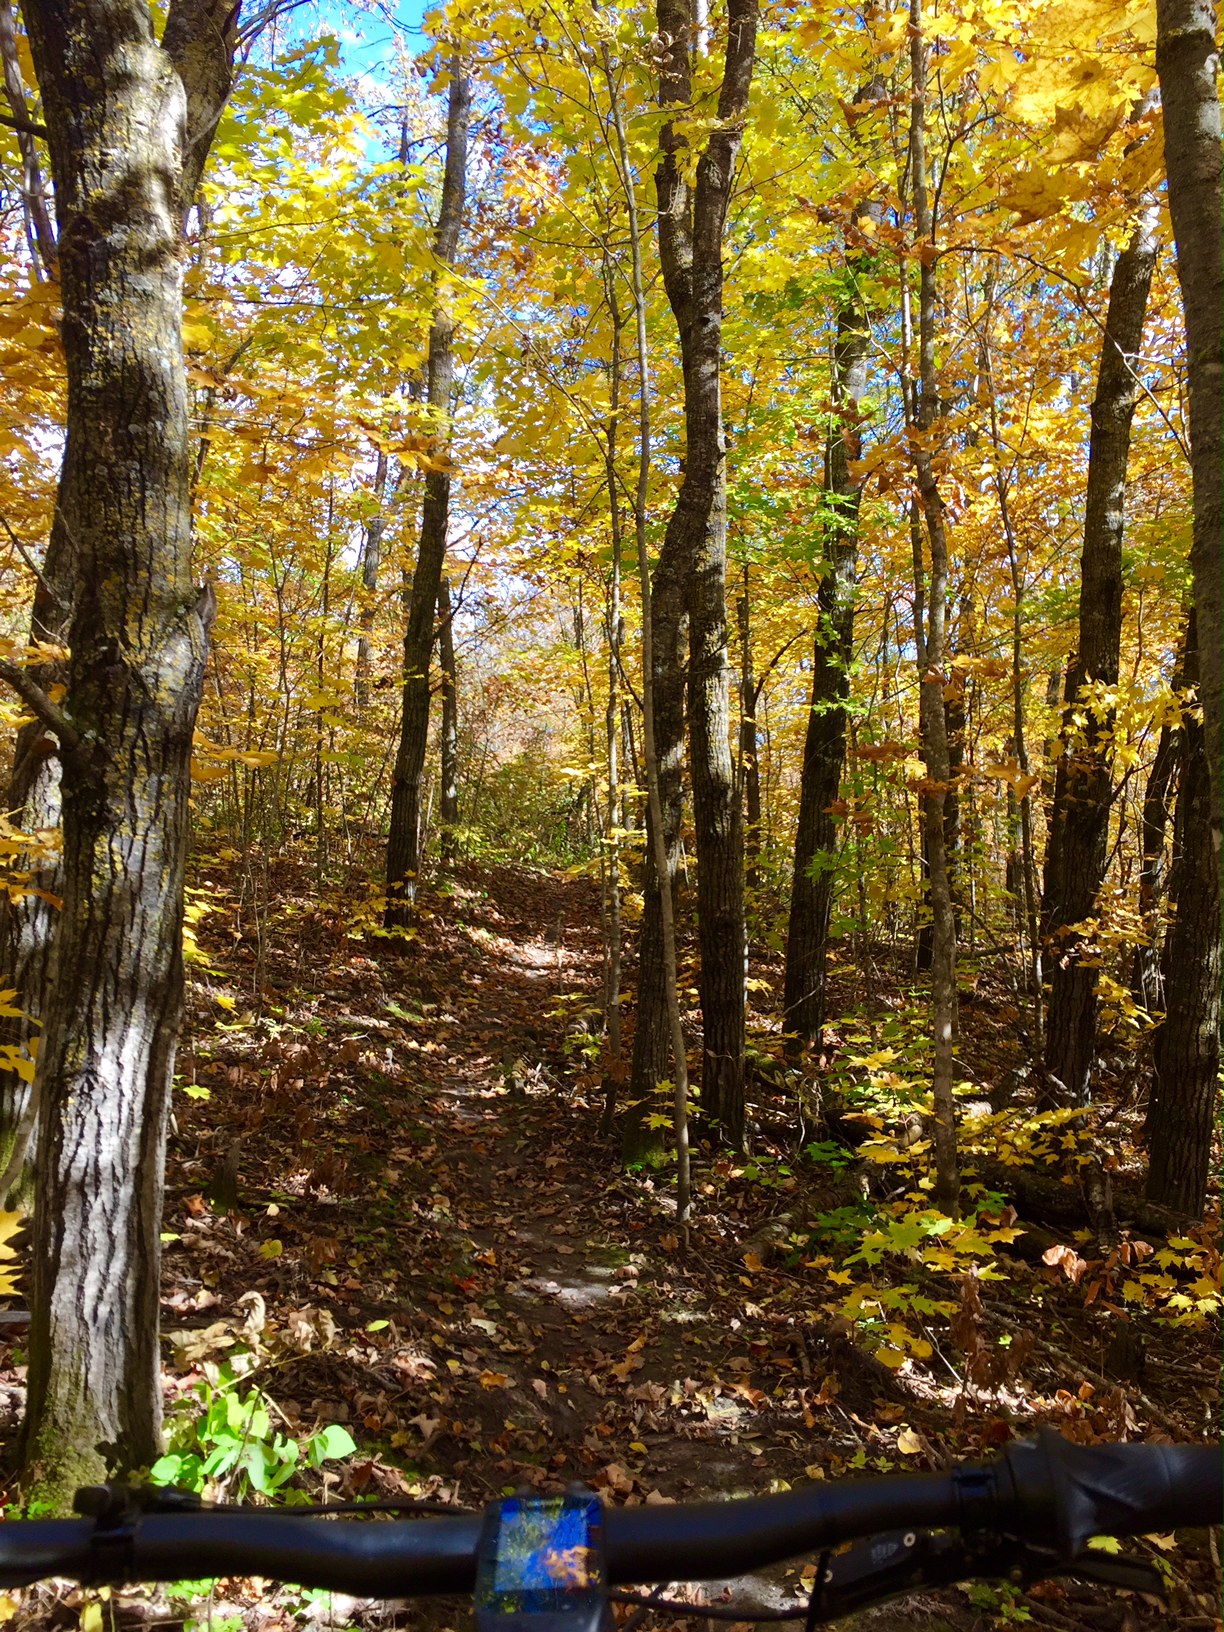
point(389, 1207)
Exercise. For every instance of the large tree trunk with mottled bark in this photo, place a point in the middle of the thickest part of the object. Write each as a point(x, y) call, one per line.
point(1079, 825)
point(1183, 1112)
point(404, 838)
point(690, 227)
point(130, 122)
point(1188, 62)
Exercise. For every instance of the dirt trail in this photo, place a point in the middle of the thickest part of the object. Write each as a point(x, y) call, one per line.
point(414, 1142)
point(595, 1353)
point(494, 1302)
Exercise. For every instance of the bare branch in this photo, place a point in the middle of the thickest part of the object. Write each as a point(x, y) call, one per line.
point(30, 562)
point(36, 699)
point(26, 126)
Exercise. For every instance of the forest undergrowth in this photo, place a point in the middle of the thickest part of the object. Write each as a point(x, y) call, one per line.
point(401, 1261)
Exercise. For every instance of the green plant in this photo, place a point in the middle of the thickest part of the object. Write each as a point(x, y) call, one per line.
point(829, 1153)
point(218, 1434)
point(1003, 1601)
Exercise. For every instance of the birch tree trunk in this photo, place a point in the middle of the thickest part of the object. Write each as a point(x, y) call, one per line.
point(404, 838)
point(130, 122)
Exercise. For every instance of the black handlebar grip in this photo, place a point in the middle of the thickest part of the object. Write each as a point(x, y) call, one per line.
point(1072, 1492)
point(32, 1549)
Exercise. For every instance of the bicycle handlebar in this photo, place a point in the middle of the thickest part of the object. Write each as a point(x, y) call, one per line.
point(1041, 1491)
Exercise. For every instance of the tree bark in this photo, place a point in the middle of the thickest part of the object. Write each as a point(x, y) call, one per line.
point(932, 657)
point(28, 913)
point(1147, 982)
point(371, 561)
point(121, 111)
point(660, 859)
point(691, 222)
point(1184, 1107)
point(611, 869)
point(750, 770)
point(449, 743)
point(1079, 826)
point(652, 1033)
point(404, 838)
point(824, 746)
point(1188, 62)
point(40, 234)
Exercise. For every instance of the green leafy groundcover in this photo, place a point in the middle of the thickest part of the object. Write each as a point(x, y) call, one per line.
point(219, 1434)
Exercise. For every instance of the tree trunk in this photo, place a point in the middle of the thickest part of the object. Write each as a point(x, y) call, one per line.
point(932, 657)
point(404, 838)
point(1147, 984)
point(28, 913)
point(29, 909)
point(954, 838)
point(1184, 1108)
point(611, 869)
point(1025, 885)
point(652, 1033)
point(660, 859)
point(1188, 62)
point(40, 235)
point(371, 560)
point(449, 745)
point(750, 770)
point(691, 221)
point(1079, 828)
point(824, 745)
point(121, 111)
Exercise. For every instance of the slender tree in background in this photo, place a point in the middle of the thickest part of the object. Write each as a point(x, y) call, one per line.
point(27, 918)
point(749, 763)
point(652, 1037)
point(1147, 982)
point(824, 746)
point(130, 121)
point(1079, 822)
point(660, 867)
point(404, 839)
point(371, 560)
point(40, 233)
point(932, 645)
point(1188, 62)
point(448, 743)
point(691, 221)
point(614, 632)
point(1183, 1110)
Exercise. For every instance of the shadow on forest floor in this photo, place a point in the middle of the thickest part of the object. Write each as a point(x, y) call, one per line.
point(392, 1194)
